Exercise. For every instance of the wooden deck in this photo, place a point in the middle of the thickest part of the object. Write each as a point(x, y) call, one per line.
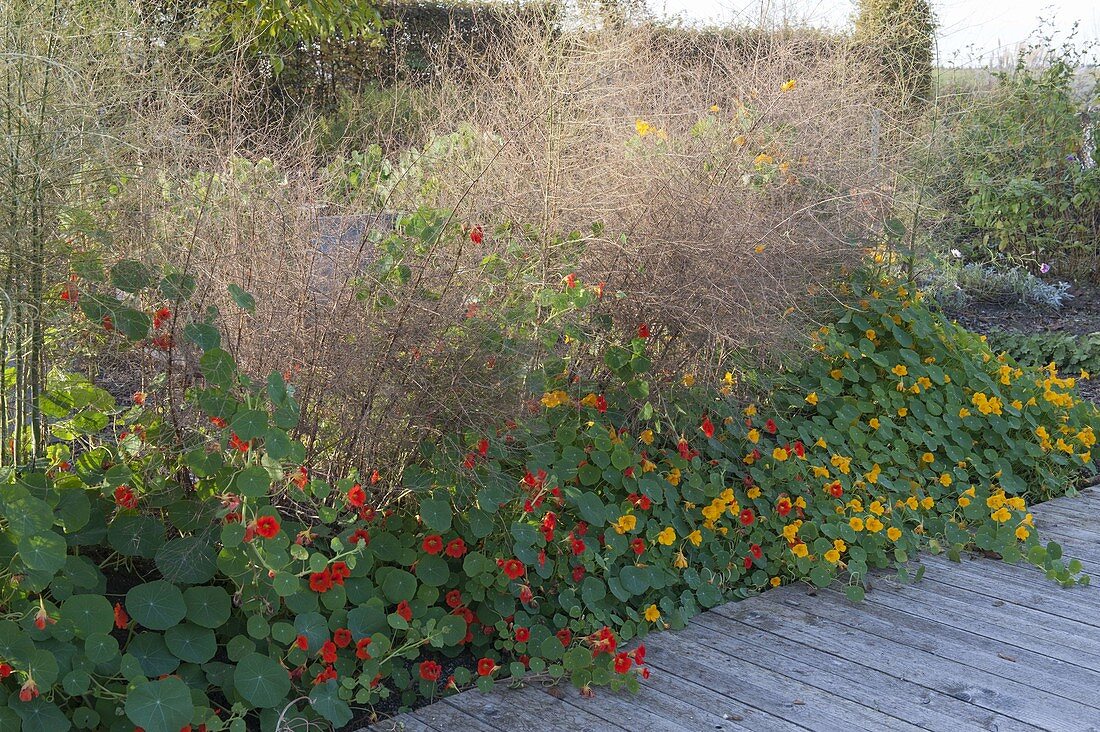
point(979, 645)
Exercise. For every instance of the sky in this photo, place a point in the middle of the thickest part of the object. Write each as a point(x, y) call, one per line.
point(970, 30)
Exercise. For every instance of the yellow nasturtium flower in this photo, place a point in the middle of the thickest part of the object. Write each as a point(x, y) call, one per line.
point(800, 550)
point(787, 85)
point(646, 437)
point(652, 614)
point(626, 523)
point(893, 533)
point(667, 536)
point(695, 537)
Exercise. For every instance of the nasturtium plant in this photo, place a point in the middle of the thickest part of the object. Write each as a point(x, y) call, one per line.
point(204, 575)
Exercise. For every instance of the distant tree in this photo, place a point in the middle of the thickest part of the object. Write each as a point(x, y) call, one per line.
point(900, 36)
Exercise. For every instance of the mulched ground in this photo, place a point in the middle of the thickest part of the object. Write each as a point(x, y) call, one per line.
point(1079, 316)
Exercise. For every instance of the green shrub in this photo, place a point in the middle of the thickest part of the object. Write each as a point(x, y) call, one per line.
point(1072, 353)
point(1017, 153)
point(160, 575)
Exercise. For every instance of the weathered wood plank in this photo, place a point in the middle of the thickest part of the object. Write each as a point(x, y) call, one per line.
point(864, 684)
point(1017, 587)
point(1010, 698)
point(962, 647)
point(507, 710)
point(765, 689)
point(671, 703)
point(1068, 640)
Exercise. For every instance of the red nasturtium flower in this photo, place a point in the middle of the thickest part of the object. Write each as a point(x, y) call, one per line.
point(125, 497)
point(477, 235)
point(108, 323)
point(362, 650)
point(643, 330)
point(360, 535)
point(341, 637)
point(121, 618)
point(799, 448)
point(301, 478)
point(756, 551)
point(486, 667)
point(238, 444)
point(321, 581)
point(357, 497)
point(565, 636)
point(453, 598)
point(5, 670)
point(139, 398)
point(302, 642)
point(41, 619)
point(432, 544)
point(522, 634)
point(218, 422)
point(513, 568)
point(483, 447)
point(601, 404)
point(28, 691)
point(328, 652)
point(747, 516)
point(638, 545)
point(161, 316)
point(836, 490)
point(375, 477)
point(267, 527)
point(783, 506)
point(404, 610)
point(639, 654)
point(770, 427)
point(747, 562)
point(707, 427)
point(339, 572)
point(430, 670)
point(623, 663)
point(571, 280)
point(456, 548)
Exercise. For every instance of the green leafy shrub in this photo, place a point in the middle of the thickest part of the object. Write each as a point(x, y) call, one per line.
point(1071, 353)
point(1018, 151)
point(159, 575)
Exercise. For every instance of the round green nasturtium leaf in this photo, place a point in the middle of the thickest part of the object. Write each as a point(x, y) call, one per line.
point(177, 286)
point(452, 629)
point(188, 560)
point(136, 536)
point(100, 648)
point(129, 275)
point(397, 584)
point(160, 706)
point(85, 718)
point(436, 513)
point(261, 681)
point(203, 335)
point(157, 605)
point(131, 323)
point(286, 584)
point(258, 627)
point(208, 607)
point(43, 551)
point(326, 701)
point(249, 424)
point(239, 646)
point(151, 652)
point(90, 614)
point(76, 683)
point(433, 571)
point(191, 643)
point(253, 482)
point(39, 715)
